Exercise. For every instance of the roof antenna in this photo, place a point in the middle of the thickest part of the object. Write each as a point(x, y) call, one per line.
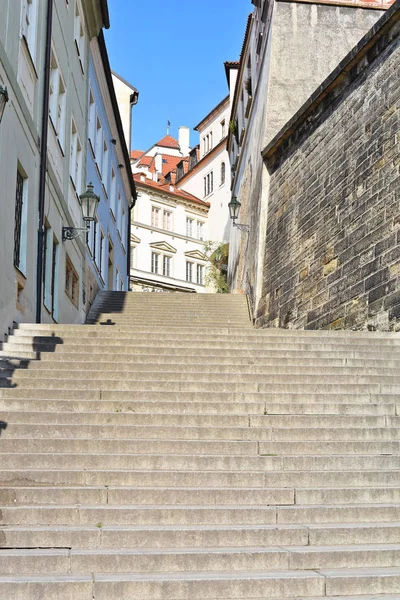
point(168, 126)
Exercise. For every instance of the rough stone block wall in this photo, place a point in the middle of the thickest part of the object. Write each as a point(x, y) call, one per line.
point(332, 255)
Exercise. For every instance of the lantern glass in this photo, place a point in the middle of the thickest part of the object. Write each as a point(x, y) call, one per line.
point(89, 201)
point(3, 100)
point(234, 208)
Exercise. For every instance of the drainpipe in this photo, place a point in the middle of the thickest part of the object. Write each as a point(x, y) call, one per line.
point(43, 162)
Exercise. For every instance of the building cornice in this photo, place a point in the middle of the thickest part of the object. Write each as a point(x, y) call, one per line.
point(172, 234)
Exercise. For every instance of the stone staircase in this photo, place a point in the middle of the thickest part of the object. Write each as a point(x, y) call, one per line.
point(170, 451)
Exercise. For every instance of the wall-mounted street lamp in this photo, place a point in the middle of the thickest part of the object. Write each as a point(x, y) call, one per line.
point(3, 100)
point(89, 201)
point(234, 209)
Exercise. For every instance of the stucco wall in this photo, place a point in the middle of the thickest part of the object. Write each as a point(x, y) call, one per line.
point(332, 252)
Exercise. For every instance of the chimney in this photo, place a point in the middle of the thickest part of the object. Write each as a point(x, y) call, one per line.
point(158, 165)
point(184, 138)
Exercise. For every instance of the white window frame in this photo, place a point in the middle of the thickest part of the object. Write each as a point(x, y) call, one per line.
point(155, 216)
point(155, 262)
point(29, 18)
point(199, 271)
point(79, 36)
point(189, 271)
point(57, 104)
point(200, 230)
point(167, 262)
point(75, 167)
point(167, 220)
point(189, 227)
point(208, 184)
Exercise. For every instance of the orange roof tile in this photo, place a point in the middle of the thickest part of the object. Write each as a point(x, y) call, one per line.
point(168, 142)
point(145, 161)
point(135, 154)
point(164, 186)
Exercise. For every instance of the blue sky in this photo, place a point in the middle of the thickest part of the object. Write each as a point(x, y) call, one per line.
point(173, 52)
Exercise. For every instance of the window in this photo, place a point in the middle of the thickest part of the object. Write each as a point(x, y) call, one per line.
point(98, 143)
point(154, 262)
point(94, 239)
point(104, 165)
point(133, 256)
point(29, 25)
point(92, 120)
point(51, 254)
point(20, 222)
point(167, 266)
point(155, 214)
point(79, 36)
point(200, 274)
point(223, 169)
point(167, 220)
point(189, 271)
point(57, 101)
point(189, 227)
point(101, 254)
point(123, 226)
point(223, 129)
point(200, 230)
point(75, 166)
point(119, 213)
point(113, 191)
point(71, 282)
point(208, 183)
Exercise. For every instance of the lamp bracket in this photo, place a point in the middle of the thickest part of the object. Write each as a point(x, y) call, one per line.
point(242, 227)
point(71, 233)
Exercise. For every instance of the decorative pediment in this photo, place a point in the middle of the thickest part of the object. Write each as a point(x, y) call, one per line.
point(196, 254)
point(163, 247)
point(134, 239)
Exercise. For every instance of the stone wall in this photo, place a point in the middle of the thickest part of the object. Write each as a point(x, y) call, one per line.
point(332, 252)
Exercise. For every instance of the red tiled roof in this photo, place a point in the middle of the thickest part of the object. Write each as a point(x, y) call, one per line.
point(135, 154)
point(168, 142)
point(168, 163)
point(164, 186)
point(145, 161)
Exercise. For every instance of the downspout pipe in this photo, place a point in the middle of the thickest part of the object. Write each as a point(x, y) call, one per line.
point(43, 162)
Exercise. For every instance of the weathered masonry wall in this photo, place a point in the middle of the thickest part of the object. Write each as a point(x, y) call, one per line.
point(332, 253)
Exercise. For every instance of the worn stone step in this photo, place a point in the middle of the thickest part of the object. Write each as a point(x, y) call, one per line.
point(124, 495)
point(333, 478)
point(65, 335)
point(199, 420)
point(182, 407)
point(131, 446)
point(60, 561)
point(131, 477)
point(171, 462)
point(198, 536)
point(197, 515)
point(380, 434)
point(24, 376)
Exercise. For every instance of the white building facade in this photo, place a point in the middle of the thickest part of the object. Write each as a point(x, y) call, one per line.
point(168, 230)
point(207, 174)
point(108, 168)
point(43, 157)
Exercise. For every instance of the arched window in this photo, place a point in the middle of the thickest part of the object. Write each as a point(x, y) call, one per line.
point(222, 173)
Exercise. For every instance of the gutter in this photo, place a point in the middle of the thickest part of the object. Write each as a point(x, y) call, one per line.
point(43, 162)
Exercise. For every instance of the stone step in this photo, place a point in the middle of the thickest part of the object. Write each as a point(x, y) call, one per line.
point(327, 448)
point(197, 514)
point(183, 407)
point(118, 496)
point(119, 333)
point(72, 475)
point(155, 362)
point(183, 396)
point(218, 585)
point(144, 446)
point(39, 369)
point(173, 462)
point(64, 561)
point(174, 327)
point(13, 495)
point(136, 432)
point(199, 420)
point(200, 536)
point(243, 383)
